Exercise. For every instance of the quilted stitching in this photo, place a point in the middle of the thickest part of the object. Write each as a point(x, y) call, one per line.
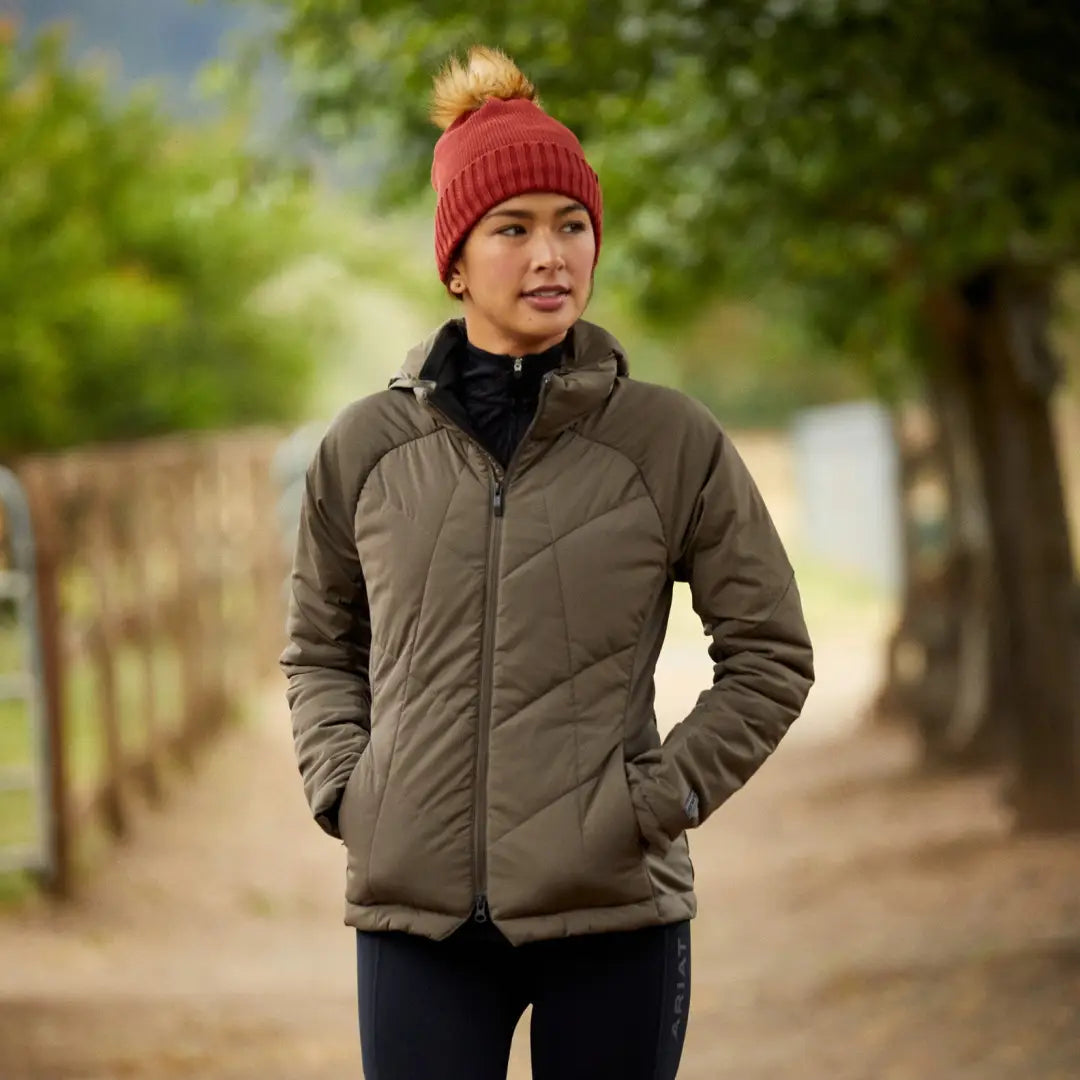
point(570, 532)
point(550, 802)
point(562, 682)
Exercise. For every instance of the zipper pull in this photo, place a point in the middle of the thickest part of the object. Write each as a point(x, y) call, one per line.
point(480, 909)
point(518, 363)
point(497, 500)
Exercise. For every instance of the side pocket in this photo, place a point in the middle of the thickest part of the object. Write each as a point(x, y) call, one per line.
point(356, 822)
point(652, 832)
point(632, 805)
point(610, 869)
point(357, 814)
point(343, 805)
point(641, 843)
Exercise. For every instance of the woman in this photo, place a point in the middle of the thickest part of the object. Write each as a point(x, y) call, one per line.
point(481, 586)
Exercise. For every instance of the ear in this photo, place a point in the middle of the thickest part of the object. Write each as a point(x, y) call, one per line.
point(456, 283)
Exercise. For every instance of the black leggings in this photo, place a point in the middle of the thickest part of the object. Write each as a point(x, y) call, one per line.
point(609, 1006)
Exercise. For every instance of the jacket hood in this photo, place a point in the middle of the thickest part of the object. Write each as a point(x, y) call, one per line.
point(594, 360)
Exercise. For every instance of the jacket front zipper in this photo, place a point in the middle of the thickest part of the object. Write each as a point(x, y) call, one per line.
point(490, 601)
point(481, 911)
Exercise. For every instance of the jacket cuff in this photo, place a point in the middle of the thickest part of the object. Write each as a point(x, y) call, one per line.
point(665, 805)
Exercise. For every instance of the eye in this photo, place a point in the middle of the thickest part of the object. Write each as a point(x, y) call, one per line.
point(575, 226)
point(506, 231)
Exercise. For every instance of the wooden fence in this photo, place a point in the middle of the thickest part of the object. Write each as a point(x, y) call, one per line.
point(160, 577)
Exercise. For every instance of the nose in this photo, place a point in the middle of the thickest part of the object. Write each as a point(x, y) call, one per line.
point(547, 250)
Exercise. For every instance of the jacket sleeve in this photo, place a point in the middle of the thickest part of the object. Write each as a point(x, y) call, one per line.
point(329, 632)
point(744, 591)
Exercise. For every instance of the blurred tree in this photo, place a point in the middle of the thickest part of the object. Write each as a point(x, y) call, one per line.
point(132, 253)
point(907, 173)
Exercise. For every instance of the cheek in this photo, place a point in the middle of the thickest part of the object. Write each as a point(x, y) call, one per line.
point(502, 271)
point(585, 255)
point(582, 267)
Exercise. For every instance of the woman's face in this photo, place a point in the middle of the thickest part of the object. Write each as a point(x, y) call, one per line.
point(525, 273)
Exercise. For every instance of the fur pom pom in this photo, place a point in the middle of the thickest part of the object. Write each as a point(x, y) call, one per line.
point(461, 89)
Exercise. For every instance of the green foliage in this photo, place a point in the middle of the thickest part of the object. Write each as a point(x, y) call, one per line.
point(857, 151)
point(132, 253)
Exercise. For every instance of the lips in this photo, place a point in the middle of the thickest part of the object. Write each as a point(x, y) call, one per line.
point(548, 290)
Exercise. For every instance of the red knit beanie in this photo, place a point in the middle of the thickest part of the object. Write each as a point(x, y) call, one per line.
point(498, 143)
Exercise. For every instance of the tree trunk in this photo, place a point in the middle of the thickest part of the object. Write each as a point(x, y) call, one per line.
point(994, 327)
point(916, 435)
point(970, 731)
point(940, 658)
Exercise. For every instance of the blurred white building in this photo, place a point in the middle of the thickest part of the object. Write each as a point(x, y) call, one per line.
point(847, 477)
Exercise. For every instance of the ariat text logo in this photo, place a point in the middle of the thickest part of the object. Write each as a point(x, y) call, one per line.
point(681, 988)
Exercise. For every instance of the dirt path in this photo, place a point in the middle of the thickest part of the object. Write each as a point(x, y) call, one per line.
point(857, 921)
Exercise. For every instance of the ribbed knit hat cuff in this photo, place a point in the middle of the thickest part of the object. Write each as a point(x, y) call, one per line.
point(502, 173)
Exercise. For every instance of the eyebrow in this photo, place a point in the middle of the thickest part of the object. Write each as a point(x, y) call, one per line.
point(527, 215)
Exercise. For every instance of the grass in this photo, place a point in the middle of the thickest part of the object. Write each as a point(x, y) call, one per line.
point(18, 810)
point(18, 824)
point(15, 740)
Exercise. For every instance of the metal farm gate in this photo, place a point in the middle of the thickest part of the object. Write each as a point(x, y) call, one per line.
point(26, 826)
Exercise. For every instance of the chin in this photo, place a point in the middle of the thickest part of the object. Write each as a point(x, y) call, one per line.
point(544, 324)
